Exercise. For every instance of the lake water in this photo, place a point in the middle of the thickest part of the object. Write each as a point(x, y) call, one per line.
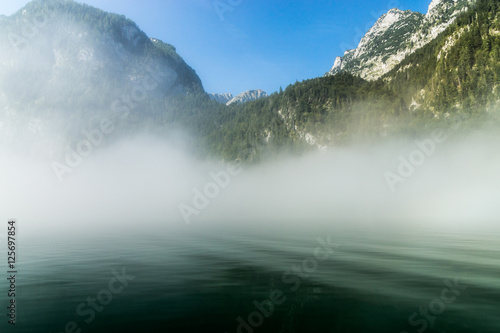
point(203, 281)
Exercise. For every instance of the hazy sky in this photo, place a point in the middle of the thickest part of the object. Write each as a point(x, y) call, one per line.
point(259, 44)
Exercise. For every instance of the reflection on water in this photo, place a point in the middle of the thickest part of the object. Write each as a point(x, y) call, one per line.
point(203, 281)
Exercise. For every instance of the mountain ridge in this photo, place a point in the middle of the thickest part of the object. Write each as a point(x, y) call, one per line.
point(89, 63)
point(395, 35)
point(247, 96)
point(221, 98)
point(75, 79)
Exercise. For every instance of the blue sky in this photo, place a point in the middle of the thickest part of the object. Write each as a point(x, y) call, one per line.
point(252, 44)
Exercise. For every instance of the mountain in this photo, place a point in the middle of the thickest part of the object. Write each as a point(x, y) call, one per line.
point(221, 98)
point(92, 50)
point(453, 80)
point(458, 72)
point(395, 35)
point(63, 63)
point(247, 96)
point(64, 67)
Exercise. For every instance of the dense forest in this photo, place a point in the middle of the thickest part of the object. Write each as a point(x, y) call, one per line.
point(455, 78)
point(460, 70)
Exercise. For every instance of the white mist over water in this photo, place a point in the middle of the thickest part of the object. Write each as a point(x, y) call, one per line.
point(140, 183)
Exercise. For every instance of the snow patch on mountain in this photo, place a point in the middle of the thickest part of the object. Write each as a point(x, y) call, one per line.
point(248, 96)
point(221, 98)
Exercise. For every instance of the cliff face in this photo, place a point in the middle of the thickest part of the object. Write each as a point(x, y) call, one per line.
point(395, 35)
point(62, 63)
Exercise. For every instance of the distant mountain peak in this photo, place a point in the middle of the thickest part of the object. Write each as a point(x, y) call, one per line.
point(248, 96)
point(433, 5)
point(392, 16)
point(395, 35)
point(221, 98)
point(437, 4)
point(337, 66)
point(386, 24)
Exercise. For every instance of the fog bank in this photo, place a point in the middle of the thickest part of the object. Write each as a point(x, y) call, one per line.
point(148, 184)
